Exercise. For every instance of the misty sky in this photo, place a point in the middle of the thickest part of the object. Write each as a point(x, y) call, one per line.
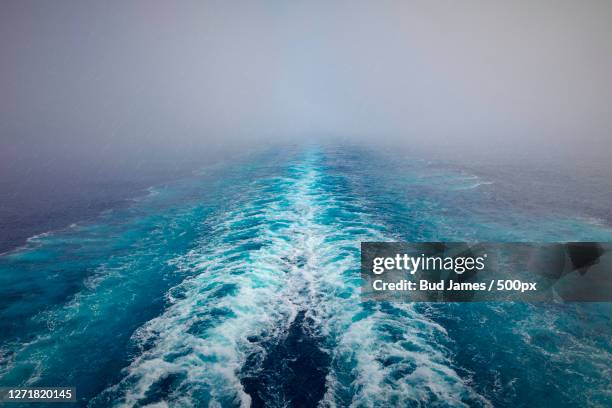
point(106, 80)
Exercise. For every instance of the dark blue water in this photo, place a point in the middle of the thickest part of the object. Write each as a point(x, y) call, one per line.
point(239, 286)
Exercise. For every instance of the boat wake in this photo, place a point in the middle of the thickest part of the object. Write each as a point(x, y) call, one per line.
point(273, 317)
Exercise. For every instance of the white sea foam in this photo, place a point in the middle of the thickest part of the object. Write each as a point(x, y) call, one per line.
point(271, 256)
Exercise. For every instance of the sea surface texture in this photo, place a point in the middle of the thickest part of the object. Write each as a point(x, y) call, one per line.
point(239, 286)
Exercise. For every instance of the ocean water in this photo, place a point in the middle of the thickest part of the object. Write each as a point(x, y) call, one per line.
point(239, 286)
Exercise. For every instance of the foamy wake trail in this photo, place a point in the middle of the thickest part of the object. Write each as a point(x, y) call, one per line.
point(292, 246)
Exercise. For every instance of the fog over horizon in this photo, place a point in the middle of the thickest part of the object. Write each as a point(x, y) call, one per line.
point(110, 84)
point(193, 194)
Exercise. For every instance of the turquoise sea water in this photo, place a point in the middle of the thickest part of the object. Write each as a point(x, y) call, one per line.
point(239, 286)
